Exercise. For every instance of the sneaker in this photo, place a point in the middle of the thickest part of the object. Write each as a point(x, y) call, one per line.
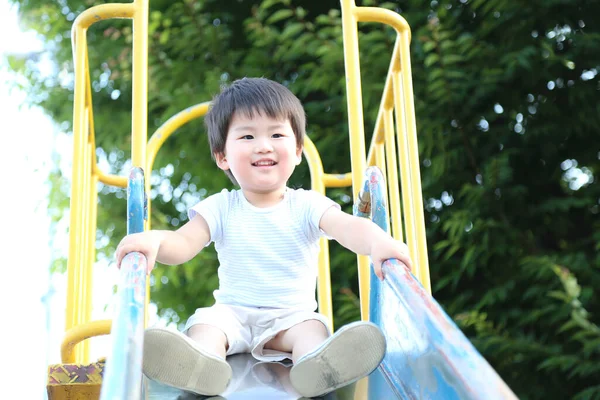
point(193, 396)
point(176, 360)
point(352, 353)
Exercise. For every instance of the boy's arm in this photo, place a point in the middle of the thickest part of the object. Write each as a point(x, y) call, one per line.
point(167, 247)
point(362, 236)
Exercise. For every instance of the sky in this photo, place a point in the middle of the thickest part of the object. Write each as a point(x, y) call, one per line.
point(24, 163)
point(32, 299)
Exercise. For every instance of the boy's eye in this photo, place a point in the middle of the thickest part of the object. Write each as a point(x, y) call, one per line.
point(247, 137)
point(278, 135)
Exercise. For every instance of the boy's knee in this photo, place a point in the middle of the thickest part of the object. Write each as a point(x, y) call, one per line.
point(311, 326)
point(204, 332)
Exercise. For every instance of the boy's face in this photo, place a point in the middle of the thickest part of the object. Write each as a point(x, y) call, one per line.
point(260, 152)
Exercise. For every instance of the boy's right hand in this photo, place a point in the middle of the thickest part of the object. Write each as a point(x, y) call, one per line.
point(146, 243)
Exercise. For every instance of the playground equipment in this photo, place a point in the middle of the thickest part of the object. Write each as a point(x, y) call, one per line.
point(427, 355)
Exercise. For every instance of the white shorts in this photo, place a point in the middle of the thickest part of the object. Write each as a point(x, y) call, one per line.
point(248, 329)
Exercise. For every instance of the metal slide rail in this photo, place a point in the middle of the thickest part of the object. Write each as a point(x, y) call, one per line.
point(123, 373)
point(428, 356)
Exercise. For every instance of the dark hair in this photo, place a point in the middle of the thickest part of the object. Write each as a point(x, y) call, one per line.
point(250, 96)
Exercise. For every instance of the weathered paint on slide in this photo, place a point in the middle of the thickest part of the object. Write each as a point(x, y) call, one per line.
point(428, 356)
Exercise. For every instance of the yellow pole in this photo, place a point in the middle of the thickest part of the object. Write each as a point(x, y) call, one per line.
point(392, 166)
point(82, 350)
point(353, 91)
point(407, 199)
point(380, 160)
point(91, 254)
point(380, 163)
point(77, 179)
point(356, 131)
point(139, 126)
point(80, 333)
point(92, 213)
point(413, 155)
point(324, 274)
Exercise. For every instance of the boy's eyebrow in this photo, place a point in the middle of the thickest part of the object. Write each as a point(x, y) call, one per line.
point(252, 128)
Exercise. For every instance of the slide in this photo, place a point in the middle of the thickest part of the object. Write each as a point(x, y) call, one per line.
point(427, 357)
point(255, 380)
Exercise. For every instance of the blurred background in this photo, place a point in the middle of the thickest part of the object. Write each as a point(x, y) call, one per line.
point(27, 288)
point(507, 96)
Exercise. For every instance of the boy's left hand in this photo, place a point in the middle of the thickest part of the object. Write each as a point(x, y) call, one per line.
point(387, 248)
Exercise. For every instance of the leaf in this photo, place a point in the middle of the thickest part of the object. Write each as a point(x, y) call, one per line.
point(292, 30)
point(450, 252)
point(469, 254)
point(452, 59)
point(429, 46)
point(431, 59)
point(280, 15)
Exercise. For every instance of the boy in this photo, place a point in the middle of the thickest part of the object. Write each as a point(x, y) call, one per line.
point(266, 236)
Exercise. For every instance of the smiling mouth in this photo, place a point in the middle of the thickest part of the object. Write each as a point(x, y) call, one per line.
point(264, 163)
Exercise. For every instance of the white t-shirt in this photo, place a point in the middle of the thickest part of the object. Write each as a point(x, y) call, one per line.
point(268, 256)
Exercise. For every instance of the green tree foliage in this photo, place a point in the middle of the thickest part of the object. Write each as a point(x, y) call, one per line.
point(507, 96)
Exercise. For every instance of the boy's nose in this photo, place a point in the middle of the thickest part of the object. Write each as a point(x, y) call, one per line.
point(263, 146)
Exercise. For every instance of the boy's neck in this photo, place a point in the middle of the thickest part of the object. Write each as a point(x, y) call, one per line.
point(264, 200)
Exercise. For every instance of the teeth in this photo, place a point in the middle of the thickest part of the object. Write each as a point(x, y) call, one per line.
point(264, 163)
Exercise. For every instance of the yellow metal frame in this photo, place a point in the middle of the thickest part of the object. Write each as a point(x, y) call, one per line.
point(397, 99)
point(86, 173)
point(389, 140)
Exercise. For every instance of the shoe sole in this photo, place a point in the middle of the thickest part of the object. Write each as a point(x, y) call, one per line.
point(353, 353)
point(173, 359)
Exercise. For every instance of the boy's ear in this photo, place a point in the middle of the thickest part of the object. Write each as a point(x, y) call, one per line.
point(222, 161)
point(299, 155)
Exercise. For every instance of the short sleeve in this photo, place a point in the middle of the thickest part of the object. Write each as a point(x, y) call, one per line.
point(212, 209)
point(315, 206)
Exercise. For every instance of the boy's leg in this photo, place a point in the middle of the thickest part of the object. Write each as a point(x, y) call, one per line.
point(175, 359)
point(323, 364)
point(209, 338)
point(195, 362)
point(299, 339)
